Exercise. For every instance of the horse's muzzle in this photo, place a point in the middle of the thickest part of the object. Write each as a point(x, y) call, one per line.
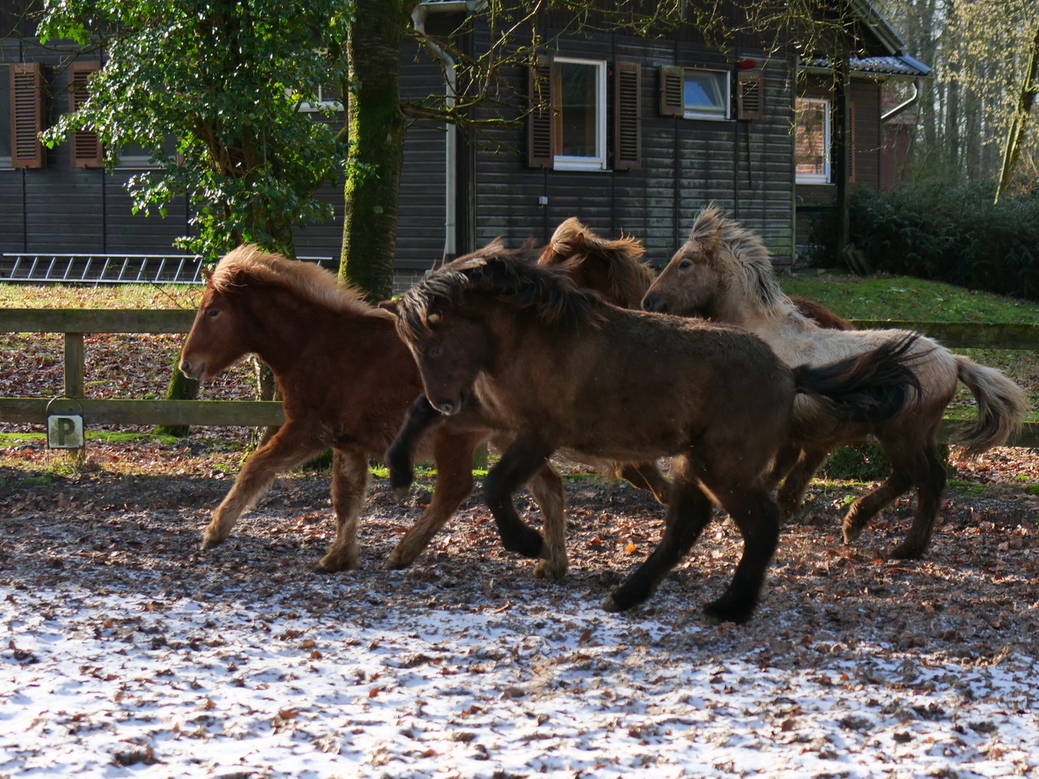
point(191, 370)
point(450, 407)
point(655, 303)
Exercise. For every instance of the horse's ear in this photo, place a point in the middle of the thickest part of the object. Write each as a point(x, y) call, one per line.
point(207, 274)
point(389, 305)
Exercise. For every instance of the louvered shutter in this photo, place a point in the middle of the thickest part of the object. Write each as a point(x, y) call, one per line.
point(750, 95)
point(627, 124)
point(86, 145)
point(27, 116)
point(672, 81)
point(540, 153)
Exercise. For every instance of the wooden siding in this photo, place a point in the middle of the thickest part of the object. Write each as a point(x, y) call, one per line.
point(746, 167)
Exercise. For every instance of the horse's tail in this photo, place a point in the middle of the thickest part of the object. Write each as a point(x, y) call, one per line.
point(866, 388)
point(1001, 407)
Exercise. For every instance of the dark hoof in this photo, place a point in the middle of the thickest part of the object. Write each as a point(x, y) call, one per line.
point(906, 551)
point(611, 605)
point(529, 544)
point(208, 544)
point(400, 493)
point(727, 610)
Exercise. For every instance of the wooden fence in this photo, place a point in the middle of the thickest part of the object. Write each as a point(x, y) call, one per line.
point(73, 323)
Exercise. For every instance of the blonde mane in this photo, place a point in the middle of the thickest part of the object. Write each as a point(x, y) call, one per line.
point(250, 264)
point(749, 256)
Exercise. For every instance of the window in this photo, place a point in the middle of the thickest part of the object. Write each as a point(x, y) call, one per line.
point(695, 93)
point(812, 141)
point(568, 122)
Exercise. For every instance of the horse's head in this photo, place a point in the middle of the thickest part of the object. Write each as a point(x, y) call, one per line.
point(721, 272)
point(450, 352)
point(214, 342)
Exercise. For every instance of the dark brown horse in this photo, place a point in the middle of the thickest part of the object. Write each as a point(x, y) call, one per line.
point(562, 369)
point(346, 380)
point(723, 273)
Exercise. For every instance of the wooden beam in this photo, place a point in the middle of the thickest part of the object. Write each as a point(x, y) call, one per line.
point(87, 320)
point(246, 413)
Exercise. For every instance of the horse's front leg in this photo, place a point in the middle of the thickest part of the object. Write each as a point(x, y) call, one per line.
point(287, 449)
point(400, 457)
point(798, 476)
point(349, 485)
point(518, 464)
point(453, 453)
point(645, 476)
point(547, 487)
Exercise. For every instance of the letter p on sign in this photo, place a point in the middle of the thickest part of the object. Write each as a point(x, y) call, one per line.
point(65, 431)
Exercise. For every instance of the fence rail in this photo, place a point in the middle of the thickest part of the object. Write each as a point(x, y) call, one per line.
point(74, 323)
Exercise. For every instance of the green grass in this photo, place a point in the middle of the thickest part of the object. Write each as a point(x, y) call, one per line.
point(902, 298)
point(100, 296)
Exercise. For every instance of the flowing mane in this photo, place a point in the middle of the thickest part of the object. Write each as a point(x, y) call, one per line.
point(309, 281)
point(510, 276)
point(619, 262)
point(749, 258)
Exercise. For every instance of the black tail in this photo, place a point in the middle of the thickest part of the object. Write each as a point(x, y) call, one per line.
point(868, 388)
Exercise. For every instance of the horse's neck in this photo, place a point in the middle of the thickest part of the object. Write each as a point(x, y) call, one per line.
point(793, 337)
point(281, 325)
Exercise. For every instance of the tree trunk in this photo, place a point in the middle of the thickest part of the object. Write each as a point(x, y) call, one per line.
point(1019, 124)
point(377, 125)
point(179, 388)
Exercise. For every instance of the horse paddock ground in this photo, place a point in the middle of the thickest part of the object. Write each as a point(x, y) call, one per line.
point(128, 652)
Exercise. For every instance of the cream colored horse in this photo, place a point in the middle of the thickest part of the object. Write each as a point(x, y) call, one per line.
point(723, 273)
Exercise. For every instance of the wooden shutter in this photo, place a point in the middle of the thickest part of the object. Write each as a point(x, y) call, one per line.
point(672, 84)
point(28, 113)
point(750, 104)
point(540, 147)
point(86, 144)
point(627, 116)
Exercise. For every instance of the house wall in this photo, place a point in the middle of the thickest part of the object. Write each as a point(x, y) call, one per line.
point(745, 167)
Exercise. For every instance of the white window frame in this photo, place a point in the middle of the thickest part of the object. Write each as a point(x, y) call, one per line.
point(725, 80)
point(824, 177)
point(597, 162)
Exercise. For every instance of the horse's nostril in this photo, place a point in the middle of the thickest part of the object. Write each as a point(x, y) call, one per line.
point(654, 303)
point(185, 367)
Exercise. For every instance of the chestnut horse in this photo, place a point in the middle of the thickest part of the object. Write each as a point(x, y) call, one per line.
point(346, 380)
point(723, 273)
point(562, 369)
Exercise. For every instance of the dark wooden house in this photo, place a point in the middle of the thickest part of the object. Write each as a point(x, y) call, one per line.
point(630, 134)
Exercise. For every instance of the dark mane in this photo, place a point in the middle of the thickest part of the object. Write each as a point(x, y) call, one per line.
point(510, 277)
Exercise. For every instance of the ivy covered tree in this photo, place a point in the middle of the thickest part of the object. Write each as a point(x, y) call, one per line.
point(212, 90)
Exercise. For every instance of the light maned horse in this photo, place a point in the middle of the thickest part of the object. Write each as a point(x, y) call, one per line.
point(723, 272)
point(346, 380)
point(559, 368)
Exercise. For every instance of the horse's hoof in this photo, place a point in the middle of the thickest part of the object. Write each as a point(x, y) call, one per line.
point(906, 551)
point(726, 610)
point(209, 543)
point(851, 534)
point(396, 563)
point(546, 569)
point(400, 493)
point(329, 564)
point(611, 606)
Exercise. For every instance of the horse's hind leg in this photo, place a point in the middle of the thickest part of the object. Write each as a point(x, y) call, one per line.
point(518, 465)
point(687, 515)
point(757, 516)
point(282, 452)
point(454, 483)
point(547, 486)
point(646, 476)
point(349, 485)
point(791, 493)
point(400, 457)
point(930, 477)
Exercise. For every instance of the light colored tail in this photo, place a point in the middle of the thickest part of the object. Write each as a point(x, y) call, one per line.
point(1001, 407)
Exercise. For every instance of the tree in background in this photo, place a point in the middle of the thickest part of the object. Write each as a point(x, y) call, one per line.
point(980, 51)
point(212, 90)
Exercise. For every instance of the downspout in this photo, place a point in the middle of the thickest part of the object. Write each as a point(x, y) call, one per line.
point(904, 104)
point(418, 19)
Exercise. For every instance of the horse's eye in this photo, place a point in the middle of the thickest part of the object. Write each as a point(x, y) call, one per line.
point(685, 264)
point(435, 351)
point(213, 312)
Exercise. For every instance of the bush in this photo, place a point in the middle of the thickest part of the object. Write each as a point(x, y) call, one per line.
point(953, 234)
